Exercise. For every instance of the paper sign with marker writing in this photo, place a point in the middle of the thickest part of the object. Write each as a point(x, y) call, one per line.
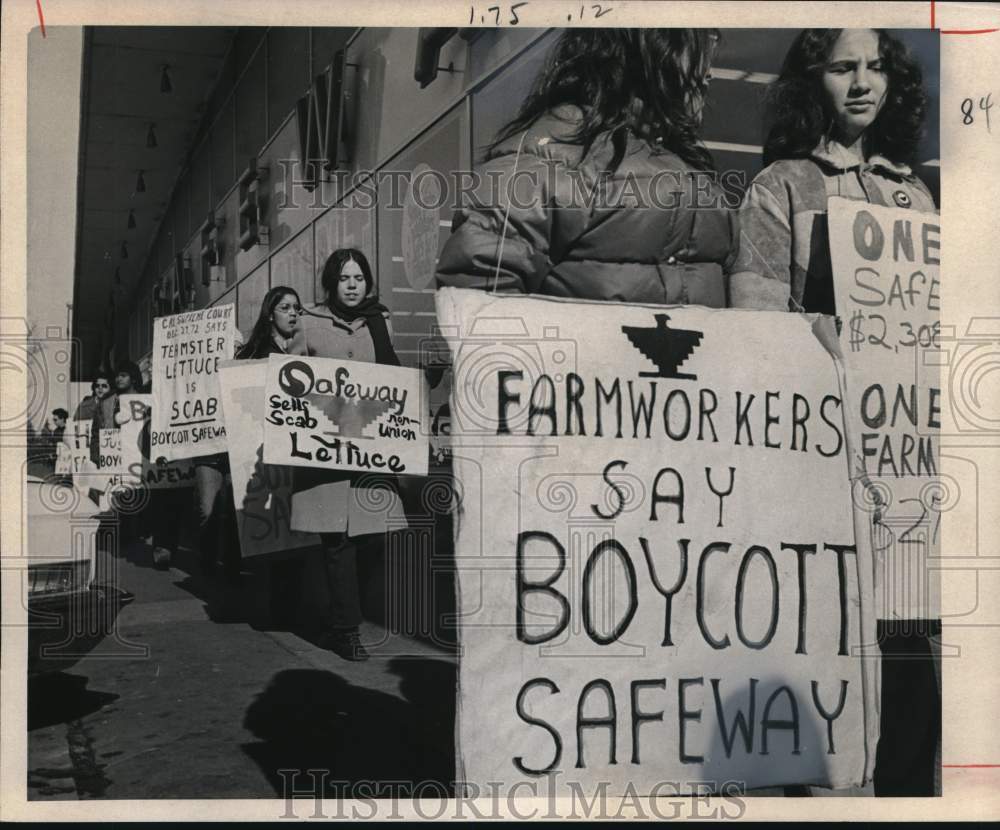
point(138, 468)
point(73, 452)
point(886, 264)
point(345, 415)
point(261, 492)
point(187, 350)
point(656, 560)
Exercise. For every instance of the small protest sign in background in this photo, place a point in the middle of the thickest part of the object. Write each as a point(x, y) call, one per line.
point(73, 452)
point(658, 581)
point(886, 264)
point(345, 415)
point(261, 492)
point(138, 469)
point(187, 349)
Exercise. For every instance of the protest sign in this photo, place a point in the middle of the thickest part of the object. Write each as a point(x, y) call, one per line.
point(73, 452)
point(137, 467)
point(109, 452)
point(187, 349)
point(345, 415)
point(658, 581)
point(261, 492)
point(886, 265)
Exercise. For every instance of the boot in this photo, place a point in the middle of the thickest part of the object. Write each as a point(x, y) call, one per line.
point(347, 644)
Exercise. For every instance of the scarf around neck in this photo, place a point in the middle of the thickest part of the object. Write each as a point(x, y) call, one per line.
point(374, 314)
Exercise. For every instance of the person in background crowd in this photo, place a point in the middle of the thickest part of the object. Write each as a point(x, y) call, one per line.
point(86, 408)
point(103, 416)
point(351, 324)
point(59, 418)
point(614, 117)
point(272, 334)
point(128, 379)
point(164, 510)
point(848, 109)
point(43, 446)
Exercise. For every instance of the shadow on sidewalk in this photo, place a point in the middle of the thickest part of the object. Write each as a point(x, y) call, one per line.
point(349, 735)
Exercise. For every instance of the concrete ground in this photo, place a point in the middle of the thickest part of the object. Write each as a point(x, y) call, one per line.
point(200, 695)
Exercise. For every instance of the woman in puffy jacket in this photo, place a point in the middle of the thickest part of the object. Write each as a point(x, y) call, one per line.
point(599, 188)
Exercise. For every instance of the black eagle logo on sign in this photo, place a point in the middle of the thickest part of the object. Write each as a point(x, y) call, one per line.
point(350, 417)
point(667, 348)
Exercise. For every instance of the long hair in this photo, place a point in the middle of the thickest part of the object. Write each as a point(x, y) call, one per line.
point(801, 115)
point(260, 336)
point(649, 80)
point(134, 372)
point(335, 264)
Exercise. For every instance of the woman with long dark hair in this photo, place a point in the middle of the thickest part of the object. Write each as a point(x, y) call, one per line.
point(599, 187)
point(848, 108)
point(847, 111)
point(346, 509)
point(275, 326)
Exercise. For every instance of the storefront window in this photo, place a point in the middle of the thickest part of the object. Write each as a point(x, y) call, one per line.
point(251, 126)
point(415, 209)
point(293, 266)
point(287, 72)
point(223, 161)
point(250, 295)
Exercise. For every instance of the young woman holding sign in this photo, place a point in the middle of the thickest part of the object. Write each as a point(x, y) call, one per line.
point(272, 334)
point(599, 188)
point(344, 508)
point(848, 109)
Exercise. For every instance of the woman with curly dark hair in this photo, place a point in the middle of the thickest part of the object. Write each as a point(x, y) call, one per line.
point(599, 188)
point(847, 109)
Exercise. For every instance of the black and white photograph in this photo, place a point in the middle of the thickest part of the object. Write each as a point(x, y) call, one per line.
point(559, 413)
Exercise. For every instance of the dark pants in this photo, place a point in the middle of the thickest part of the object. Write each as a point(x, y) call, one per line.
point(911, 709)
point(167, 512)
point(217, 536)
point(340, 556)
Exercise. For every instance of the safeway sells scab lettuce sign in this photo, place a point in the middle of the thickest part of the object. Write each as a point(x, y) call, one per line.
point(344, 415)
point(656, 559)
point(187, 350)
point(886, 264)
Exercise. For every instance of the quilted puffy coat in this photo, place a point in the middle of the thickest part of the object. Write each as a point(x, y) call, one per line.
point(656, 232)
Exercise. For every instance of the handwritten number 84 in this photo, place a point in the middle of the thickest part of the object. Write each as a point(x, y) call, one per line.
point(969, 106)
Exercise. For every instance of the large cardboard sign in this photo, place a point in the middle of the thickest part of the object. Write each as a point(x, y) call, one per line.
point(138, 469)
point(886, 264)
point(187, 349)
point(345, 415)
point(261, 492)
point(658, 579)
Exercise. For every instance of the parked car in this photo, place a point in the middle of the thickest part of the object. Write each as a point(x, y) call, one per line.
point(68, 613)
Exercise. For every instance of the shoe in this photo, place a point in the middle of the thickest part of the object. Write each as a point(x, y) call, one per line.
point(161, 558)
point(346, 644)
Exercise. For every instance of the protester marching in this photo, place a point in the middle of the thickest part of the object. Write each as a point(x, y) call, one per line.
point(685, 450)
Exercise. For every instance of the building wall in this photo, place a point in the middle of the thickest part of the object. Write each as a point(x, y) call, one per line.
point(397, 129)
point(396, 126)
